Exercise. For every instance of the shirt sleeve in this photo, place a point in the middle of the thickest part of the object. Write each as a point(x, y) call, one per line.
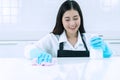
point(48, 43)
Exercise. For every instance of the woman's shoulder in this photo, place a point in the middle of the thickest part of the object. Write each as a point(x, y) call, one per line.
point(54, 36)
point(84, 35)
point(50, 36)
point(89, 35)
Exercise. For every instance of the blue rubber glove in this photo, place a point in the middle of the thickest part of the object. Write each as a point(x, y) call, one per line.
point(98, 43)
point(44, 57)
point(41, 56)
point(107, 52)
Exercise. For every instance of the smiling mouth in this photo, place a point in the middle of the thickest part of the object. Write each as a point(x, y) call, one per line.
point(73, 28)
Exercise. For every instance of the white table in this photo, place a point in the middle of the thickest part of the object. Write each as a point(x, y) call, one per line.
point(64, 69)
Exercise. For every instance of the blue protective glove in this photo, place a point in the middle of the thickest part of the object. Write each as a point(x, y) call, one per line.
point(41, 56)
point(98, 43)
point(44, 57)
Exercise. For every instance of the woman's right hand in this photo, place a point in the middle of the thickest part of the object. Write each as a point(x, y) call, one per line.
point(44, 57)
point(41, 56)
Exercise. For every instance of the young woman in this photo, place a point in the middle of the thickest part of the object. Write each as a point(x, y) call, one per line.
point(67, 38)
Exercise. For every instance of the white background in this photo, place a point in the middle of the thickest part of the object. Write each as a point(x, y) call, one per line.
point(36, 18)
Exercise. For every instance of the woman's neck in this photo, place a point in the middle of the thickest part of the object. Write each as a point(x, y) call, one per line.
point(72, 38)
point(71, 35)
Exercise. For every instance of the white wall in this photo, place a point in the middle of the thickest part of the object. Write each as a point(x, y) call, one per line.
point(37, 18)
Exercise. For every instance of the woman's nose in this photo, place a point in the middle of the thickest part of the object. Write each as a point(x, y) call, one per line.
point(72, 22)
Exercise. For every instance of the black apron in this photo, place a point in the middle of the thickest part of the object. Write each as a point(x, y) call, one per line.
point(71, 53)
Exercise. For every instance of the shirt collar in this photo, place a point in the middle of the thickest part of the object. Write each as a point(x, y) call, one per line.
point(63, 38)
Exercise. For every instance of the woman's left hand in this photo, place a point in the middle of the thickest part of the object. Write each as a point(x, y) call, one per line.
point(98, 43)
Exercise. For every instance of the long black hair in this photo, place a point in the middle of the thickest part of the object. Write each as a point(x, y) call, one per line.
point(67, 5)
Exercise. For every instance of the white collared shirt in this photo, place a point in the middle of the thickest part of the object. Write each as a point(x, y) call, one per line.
point(67, 46)
point(50, 44)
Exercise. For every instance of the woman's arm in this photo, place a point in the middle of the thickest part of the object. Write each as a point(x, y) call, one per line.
point(99, 43)
point(33, 50)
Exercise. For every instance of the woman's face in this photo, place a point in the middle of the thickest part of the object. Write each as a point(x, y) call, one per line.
point(71, 21)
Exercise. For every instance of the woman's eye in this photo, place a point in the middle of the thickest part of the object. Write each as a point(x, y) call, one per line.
point(75, 18)
point(67, 20)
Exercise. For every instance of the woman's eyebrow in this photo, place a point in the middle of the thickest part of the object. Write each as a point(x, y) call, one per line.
point(67, 17)
point(76, 16)
point(73, 16)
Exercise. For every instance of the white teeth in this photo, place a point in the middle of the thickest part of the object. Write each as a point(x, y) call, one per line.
point(72, 27)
